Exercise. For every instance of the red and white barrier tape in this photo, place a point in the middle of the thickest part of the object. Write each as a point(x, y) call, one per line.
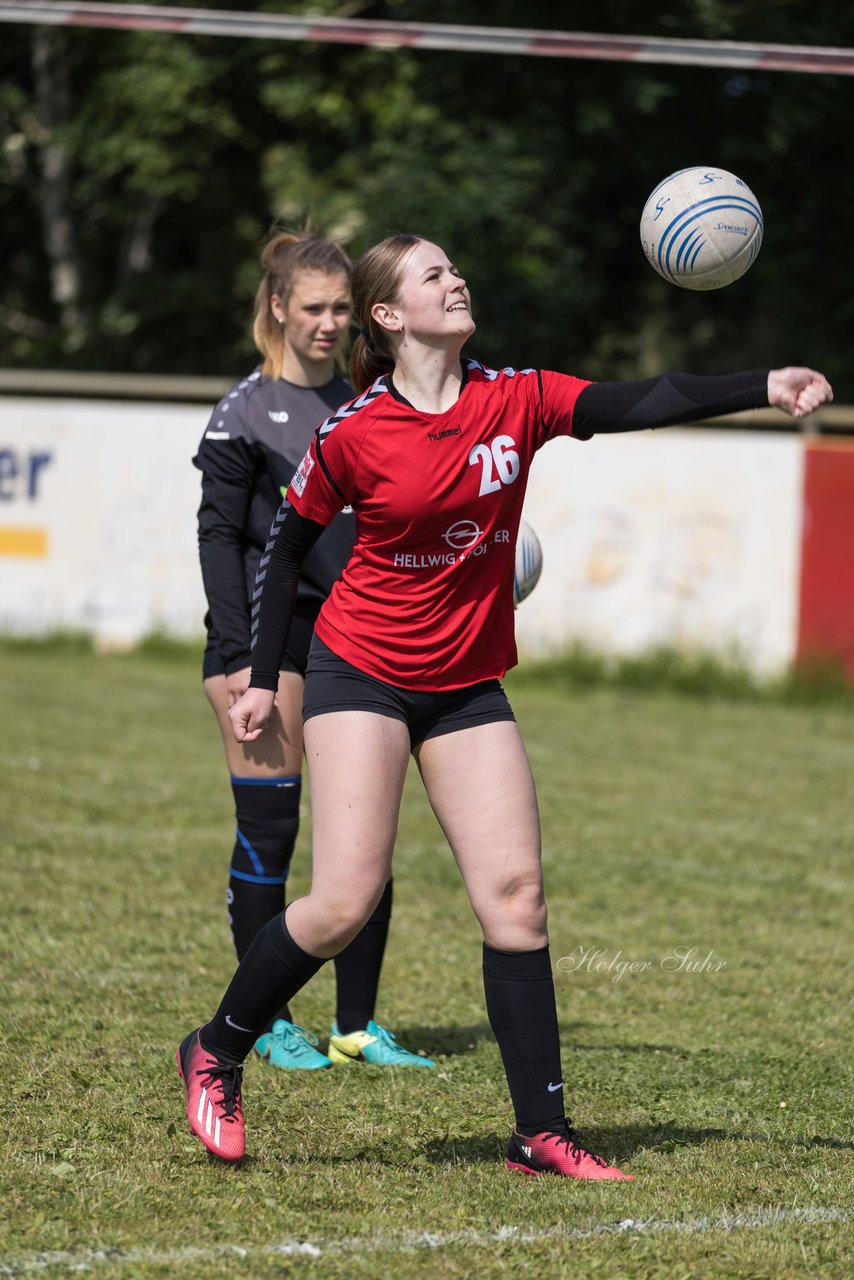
point(427, 35)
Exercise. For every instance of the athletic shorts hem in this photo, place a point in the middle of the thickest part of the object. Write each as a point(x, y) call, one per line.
point(333, 685)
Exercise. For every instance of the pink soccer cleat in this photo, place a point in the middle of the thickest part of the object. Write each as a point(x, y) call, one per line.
point(560, 1151)
point(213, 1099)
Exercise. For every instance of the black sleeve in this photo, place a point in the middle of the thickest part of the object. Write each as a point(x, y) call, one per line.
point(228, 479)
point(666, 401)
point(291, 538)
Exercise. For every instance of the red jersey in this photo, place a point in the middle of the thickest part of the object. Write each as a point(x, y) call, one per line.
point(426, 600)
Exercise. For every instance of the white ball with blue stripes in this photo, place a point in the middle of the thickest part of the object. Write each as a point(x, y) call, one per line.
point(701, 228)
point(529, 563)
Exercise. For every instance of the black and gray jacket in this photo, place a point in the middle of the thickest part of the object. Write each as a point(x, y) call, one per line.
point(253, 444)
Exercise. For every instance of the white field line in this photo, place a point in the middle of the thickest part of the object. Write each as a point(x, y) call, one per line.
point(399, 1242)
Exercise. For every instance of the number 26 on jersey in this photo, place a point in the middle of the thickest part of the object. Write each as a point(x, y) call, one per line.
point(499, 463)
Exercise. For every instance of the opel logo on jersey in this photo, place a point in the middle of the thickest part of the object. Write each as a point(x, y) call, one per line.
point(464, 533)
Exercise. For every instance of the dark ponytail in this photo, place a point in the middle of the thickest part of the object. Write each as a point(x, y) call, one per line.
point(367, 363)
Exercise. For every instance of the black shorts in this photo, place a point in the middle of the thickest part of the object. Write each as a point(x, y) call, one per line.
point(296, 650)
point(334, 685)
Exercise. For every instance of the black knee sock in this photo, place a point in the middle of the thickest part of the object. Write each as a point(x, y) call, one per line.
point(250, 907)
point(272, 971)
point(357, 970)
point(520, 1003)
point(267, 812)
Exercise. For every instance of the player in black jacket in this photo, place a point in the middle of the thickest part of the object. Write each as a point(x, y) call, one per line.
point(254, 441)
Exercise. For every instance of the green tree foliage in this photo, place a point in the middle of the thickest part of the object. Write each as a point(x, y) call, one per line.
point(141, 173)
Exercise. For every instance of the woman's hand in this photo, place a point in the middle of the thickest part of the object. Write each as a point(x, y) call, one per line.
point(798, 391)
point(236, 684)
point(250, 714)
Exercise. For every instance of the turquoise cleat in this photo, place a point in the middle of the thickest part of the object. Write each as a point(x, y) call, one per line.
point(291, 1048)
point(375, 1045)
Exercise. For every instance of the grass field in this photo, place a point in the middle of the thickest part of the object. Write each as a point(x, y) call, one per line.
point(671, 823)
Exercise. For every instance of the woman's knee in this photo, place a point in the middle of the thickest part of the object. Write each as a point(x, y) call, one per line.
point(341, 919)
point(519, 902)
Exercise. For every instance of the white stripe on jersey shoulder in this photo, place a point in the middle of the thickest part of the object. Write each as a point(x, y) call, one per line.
point(492, 374)
point(217, 435)
point(352, 406)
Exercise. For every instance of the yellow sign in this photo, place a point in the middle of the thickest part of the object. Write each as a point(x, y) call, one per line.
point(23, 542)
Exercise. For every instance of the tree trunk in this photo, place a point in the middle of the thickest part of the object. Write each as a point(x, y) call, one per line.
point(50, 76)
point(137, 246)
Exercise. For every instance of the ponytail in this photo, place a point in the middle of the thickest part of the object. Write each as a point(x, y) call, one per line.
point(367, 362)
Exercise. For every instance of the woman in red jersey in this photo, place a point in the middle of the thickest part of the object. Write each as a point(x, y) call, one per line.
point(433, 456)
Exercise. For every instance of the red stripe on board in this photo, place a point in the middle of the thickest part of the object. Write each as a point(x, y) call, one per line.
point(117, 22)
point(558, 46)
point(826, 622)
point(831, 64)
point(350, 33)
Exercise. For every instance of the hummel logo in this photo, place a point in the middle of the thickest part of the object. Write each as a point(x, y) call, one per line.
point(527, 1151)
point(443, 435)
point(552, 1088)
point(236, 1027)
point(275, 416)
